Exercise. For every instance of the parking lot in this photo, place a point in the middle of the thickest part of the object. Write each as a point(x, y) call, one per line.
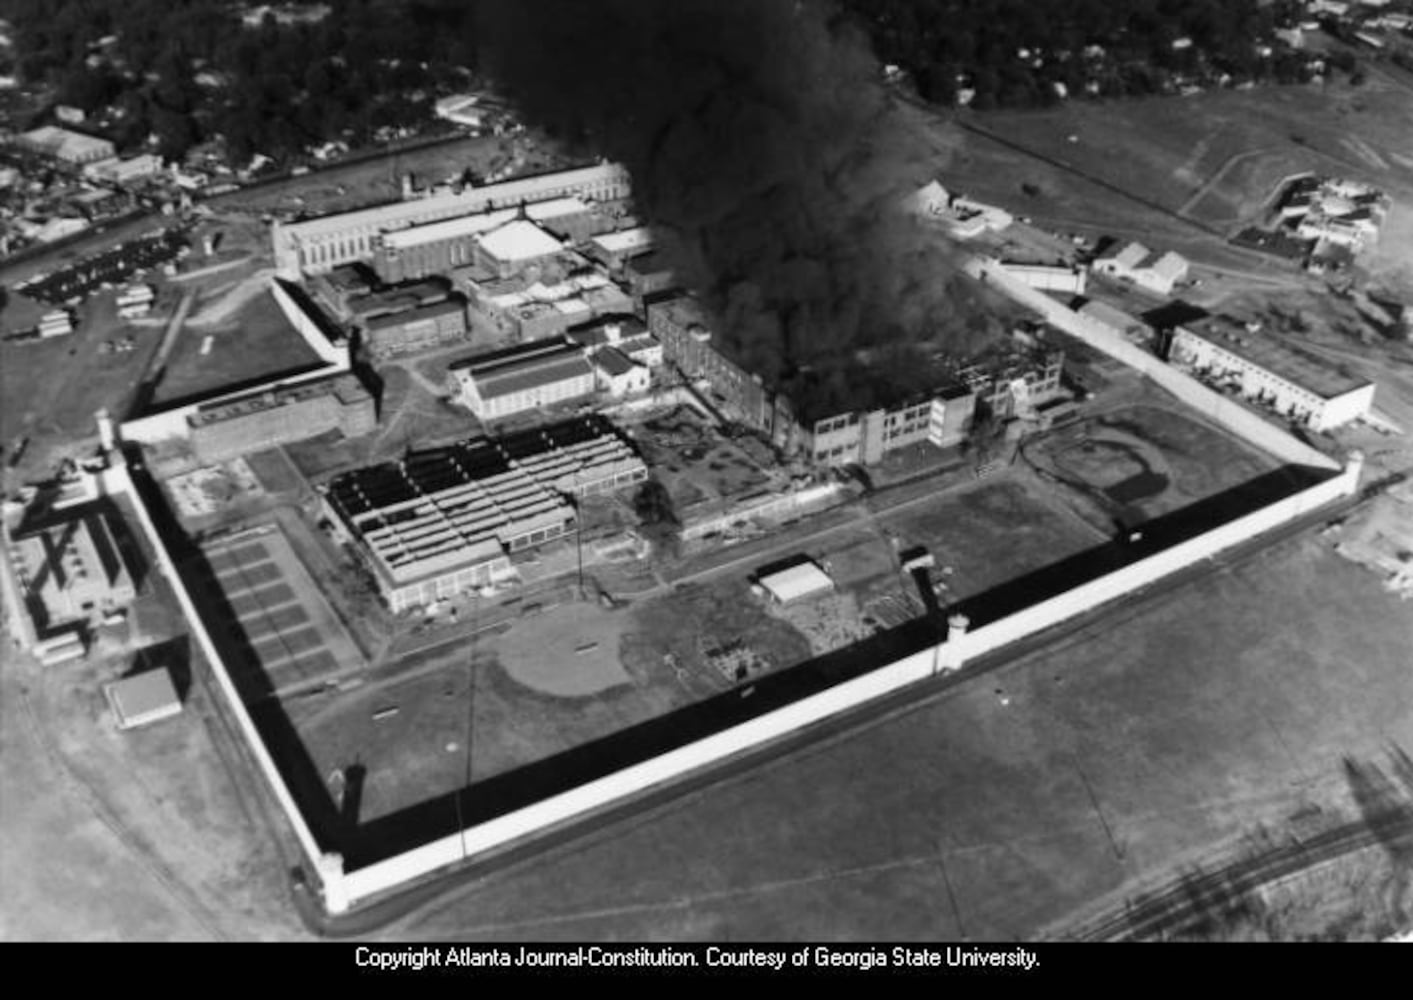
point(81, 278)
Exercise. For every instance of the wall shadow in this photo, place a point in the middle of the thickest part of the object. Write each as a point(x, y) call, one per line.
point(334, 824)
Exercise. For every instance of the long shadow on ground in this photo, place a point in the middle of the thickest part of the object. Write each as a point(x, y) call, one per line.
point(366, 843)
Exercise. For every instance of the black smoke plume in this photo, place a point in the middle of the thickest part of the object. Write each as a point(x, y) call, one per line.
point(774, 166)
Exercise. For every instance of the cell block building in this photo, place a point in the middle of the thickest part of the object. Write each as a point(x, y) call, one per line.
point(229, 428)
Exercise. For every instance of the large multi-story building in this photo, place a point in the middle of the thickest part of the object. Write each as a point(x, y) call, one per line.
point(227, 428)
point(498, 384)
point(447, 520)
point(318, 245)
point(516, 247)
point(864, 437)
point(418, 329)
point(71, 573)
point(682, 327)
point(1012, 379)
point(434, 248)
point(1271, 373)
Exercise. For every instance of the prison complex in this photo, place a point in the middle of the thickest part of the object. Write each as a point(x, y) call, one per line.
point(446, 520)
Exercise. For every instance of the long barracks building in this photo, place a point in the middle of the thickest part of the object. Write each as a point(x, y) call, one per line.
point(446, 520)
point(318, 245)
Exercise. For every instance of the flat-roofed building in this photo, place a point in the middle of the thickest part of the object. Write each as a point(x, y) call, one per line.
point(1156, 272)
point(143, 699)
point(396, 299)
point(616, 249)
point(419, 329)
point(1116, 321)
point(317, 245)
point(124, 171)
point(228, 428)
point(681, 325)
point(447, 520)
point(516, 246)
point(571, 219)
point(649, 273)
point(1050, 277)
point(1270, 372)
point(71, 572)
point(66, 145)
point(796, 583)
point(498, 384)
point(865, 437)
point(434, 248)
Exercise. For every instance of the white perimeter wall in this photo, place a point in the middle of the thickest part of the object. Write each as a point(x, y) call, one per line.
point(117, 480)
point(1247, 425)
point(340, 890)
point(497, 832)
point(336, 355)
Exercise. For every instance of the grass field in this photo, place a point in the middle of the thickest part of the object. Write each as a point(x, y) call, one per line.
point(257, 342)
point(50, 389)
point(990, 533)
point(1143, 457)
point(1145, 742)
point(1212, 159)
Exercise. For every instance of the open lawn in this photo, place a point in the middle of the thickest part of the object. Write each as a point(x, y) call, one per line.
point(257, 343)
point(990, 533)
point(1143, 459)
point(1213, 157)
point(1146, 742)
point(524, 707)
point(49, 389)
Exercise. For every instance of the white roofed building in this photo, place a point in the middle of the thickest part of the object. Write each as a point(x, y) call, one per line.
point(318, 245)
point(516, 246)
point(796, 583)
point(143, 699)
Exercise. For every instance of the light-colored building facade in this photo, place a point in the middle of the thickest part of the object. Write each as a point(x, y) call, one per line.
point(1269, 372)
point(448, 520)
point(71, 573)
point(1155, 272)
point(681, 326)
point(419, 329)
point(318, 245)
point(67, 146)
point(865, 437)
point(128, 171)
point(1050, 277)
point(229, 428)
point(504, 383)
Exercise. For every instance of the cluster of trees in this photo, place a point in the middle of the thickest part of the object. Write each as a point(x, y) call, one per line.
point(937, 41)
point(186, 70)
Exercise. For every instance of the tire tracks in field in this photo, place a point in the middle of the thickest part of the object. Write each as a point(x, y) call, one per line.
point(146, 858)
